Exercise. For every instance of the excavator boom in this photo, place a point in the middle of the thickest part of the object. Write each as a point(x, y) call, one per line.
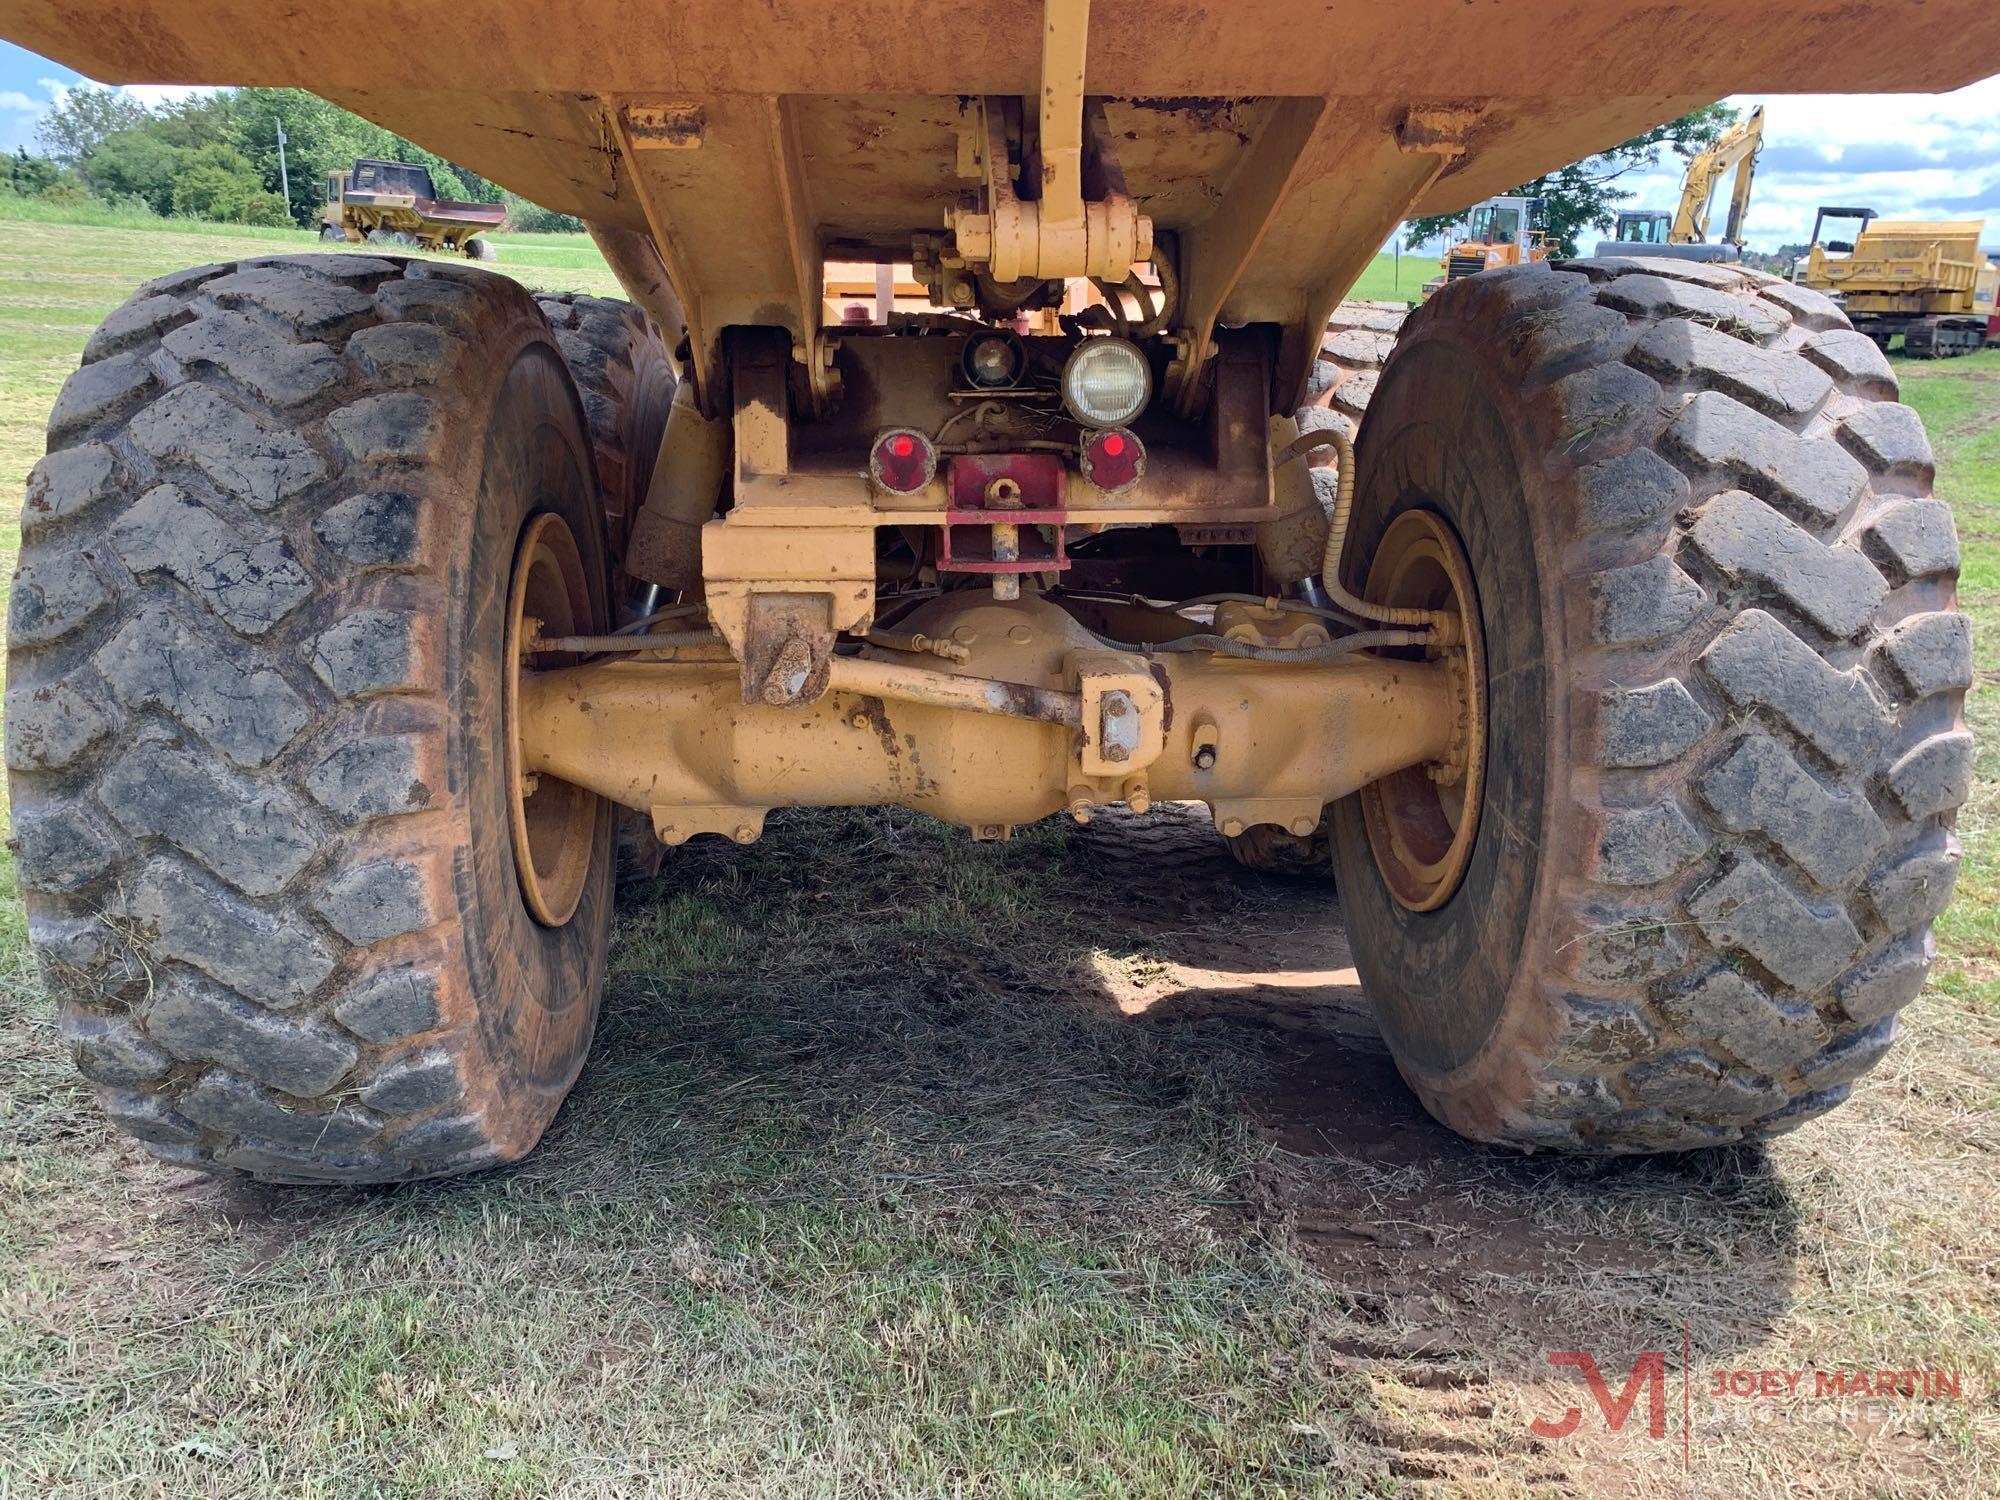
point(1738, 148)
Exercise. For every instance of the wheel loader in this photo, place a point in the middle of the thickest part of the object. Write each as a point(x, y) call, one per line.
point(1506, 231)
point(369, 607)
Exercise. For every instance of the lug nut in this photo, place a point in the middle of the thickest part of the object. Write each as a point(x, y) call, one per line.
point(1136, 796)
point(1231, 827)
point(746, 833)
point(1303, 827)
point(1204, 758)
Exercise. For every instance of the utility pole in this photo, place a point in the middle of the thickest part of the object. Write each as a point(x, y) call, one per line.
point(284, 177)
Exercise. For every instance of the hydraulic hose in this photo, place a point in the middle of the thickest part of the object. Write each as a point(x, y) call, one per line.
point(1441, 622)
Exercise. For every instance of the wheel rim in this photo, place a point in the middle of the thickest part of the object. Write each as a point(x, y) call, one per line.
point(1423, 822)
point(554, 822)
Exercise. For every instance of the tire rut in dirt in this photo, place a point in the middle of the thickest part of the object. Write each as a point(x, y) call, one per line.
point(1755, 739)
point(246, 708)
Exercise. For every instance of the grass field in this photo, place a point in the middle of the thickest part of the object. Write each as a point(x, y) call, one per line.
point(908, 1166)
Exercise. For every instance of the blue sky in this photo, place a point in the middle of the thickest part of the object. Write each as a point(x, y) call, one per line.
point(1908, 155)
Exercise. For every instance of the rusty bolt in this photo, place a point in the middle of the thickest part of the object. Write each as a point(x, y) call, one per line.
point(1204, 758)
point(858, 719)
point(1081, 801)
point(1231, 827)
point(530, 784)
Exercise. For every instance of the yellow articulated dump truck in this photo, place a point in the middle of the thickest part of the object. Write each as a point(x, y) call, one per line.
point(1928, 282)
point(367, 604)
point(381, 201)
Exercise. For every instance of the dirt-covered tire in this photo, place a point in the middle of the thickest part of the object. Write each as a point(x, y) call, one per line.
point(1357, 343)
point(621, 367)
point(1725, 731)
point(253, 719)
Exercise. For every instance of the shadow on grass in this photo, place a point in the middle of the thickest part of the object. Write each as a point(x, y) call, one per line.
point(898, 1129)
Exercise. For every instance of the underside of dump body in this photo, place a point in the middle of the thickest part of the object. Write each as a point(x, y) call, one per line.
point(1271, 144)
point(1613, 667)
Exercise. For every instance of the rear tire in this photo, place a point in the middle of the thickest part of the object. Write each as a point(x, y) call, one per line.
point(621, 368)
point(1725, 742)
point(254, 690)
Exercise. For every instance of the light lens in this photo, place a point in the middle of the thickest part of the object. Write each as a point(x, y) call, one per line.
point(1106, 382)
point(1113, 460)
point(994, 361)
point(902, 461)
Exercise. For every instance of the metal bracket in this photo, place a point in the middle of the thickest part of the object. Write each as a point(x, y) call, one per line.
point(1124, 713)
point(1060, 233)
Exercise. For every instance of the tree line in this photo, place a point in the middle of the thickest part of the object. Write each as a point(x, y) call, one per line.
point(215, 156)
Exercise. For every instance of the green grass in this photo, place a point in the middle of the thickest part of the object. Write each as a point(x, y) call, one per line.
point(1959, 400)
point(874, 1186)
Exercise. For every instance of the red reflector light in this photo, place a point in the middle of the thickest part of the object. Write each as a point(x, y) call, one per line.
point(1113, 459)
point(902, 461)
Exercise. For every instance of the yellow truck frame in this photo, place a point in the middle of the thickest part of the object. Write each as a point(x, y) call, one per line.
point(370, 607)
point(1928, 282)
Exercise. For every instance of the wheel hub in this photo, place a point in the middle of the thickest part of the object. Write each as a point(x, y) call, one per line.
point(1422, 822)
point(554, 822)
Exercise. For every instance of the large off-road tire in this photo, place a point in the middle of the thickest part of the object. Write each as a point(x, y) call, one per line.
point(622, 370)
point(481, 249)
point(1359, 337)
point(1725, 740)
point(254, 719)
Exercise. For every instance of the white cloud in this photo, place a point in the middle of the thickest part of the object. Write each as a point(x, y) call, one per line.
point(21, 112)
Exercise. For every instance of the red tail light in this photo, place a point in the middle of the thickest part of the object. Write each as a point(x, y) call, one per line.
point(902, 461)
point(1113, 459)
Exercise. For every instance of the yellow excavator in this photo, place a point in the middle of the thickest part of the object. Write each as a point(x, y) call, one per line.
point(1683, 235)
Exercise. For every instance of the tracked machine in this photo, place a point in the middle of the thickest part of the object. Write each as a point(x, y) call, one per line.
point(1929, 284)
point(367, 605)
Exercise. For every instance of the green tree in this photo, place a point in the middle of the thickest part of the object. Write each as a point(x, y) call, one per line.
point(218, 182)
point(1585, 195)
point(136, 164)
point(29, 175)
point(79, 122)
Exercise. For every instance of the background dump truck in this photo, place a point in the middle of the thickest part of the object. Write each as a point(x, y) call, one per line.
point(1931, 283)
point(380, 201)
point(366, 603)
